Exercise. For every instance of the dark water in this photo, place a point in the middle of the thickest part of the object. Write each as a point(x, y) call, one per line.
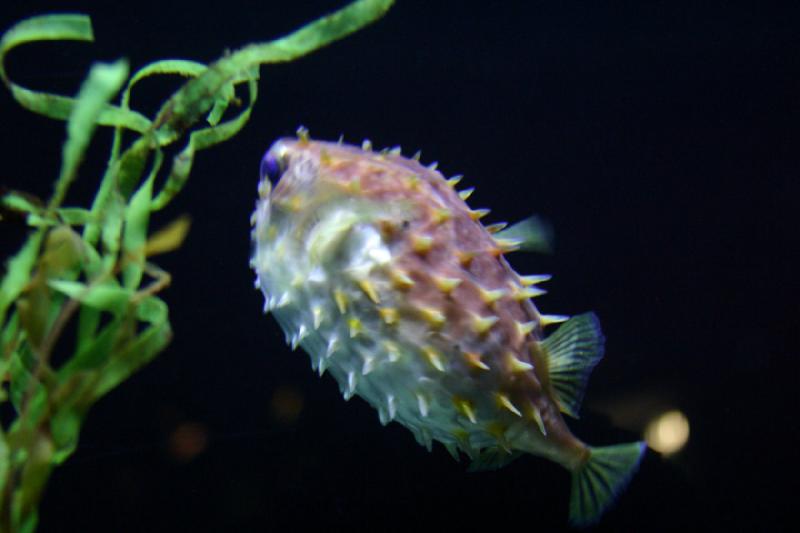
point(659, 138)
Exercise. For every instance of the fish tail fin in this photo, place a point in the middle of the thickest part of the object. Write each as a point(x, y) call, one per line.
point(601, 479)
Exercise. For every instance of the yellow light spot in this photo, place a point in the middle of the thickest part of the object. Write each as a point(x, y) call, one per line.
point(668, 432)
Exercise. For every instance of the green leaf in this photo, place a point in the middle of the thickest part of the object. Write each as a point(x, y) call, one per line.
point(103, 296)
point(133, 356)
point(93, 353)
point(103, 82)
point(19, 272)
point(112, 229)
point(197, 96)
point(19, 202)
point(70, 27)
point(65, 428)
point(134, 235)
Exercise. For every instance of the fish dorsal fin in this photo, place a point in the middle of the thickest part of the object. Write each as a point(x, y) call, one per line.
point(531, 235)
point(492, 458)
point(571, 353)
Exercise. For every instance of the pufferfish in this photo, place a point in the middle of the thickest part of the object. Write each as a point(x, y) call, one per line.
point(374, 264)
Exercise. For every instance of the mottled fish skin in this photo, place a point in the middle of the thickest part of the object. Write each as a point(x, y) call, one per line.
point(376, 266)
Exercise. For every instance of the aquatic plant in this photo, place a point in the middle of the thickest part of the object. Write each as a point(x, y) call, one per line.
point(89, 268)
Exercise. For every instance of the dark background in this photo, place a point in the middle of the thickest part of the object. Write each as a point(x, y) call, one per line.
point(659, 138)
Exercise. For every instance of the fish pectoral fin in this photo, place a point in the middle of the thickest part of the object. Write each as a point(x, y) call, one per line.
point(531, 235)
point(492, 458)
point(571, 354)
point(601, 479)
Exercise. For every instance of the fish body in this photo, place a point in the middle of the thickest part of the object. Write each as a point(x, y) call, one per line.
point(374, 264)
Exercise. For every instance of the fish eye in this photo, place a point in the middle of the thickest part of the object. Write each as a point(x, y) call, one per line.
point(271, 167)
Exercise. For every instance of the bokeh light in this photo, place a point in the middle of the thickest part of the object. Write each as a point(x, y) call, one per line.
point(668, 432)
point(188, 440)
point(286, 404)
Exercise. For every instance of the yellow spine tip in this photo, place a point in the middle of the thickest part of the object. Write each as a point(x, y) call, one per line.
point(303, 135)
point(515, 365)
point(465, 258)
point(477, 214)
point(392, 351)
point(446, 285)
point(400, 280)
point(369, 289)
point(489, 297)
point(324, 158)
point(534, 414)
point(494, 228)
point(341, 300)
point(546, 320)
point(524, 328)
point(505, 402)
point(355, 326)
point(528, 292)
point(433, 357)
point(507, 245)
point(527, 281)
point(474, 360)
point(442, 215)
point(452, 182)
point(366, 145)
point(466, 409)
point(433, 317)
point(421, 244)
point(317, 315)
point(482, 324)
point(388, 315)
point(466, 193)
point(413, 182)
